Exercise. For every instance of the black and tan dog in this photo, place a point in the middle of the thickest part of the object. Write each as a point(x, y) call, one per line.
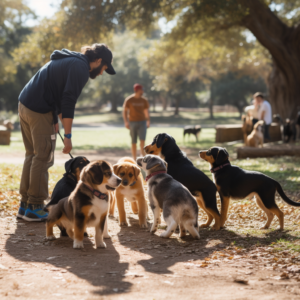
point(195, 130)
point(183, 170)
point(233, 182)
point(66, 185)
point(87, 206)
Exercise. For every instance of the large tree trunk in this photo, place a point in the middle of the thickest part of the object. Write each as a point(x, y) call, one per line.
point(114, 106)
point(283, 43)
point(211, 108)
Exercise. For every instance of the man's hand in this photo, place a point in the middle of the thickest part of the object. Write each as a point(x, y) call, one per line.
point(148, 123)
point(56, 127)
point(68, 146)
point(127, 125)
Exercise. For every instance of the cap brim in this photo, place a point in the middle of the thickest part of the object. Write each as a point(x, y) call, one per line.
point(110, 70)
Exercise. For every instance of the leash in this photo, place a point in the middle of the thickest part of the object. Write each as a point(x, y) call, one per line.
point(63, 142)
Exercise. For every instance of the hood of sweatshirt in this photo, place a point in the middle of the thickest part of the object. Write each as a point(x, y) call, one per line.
point(65, 53)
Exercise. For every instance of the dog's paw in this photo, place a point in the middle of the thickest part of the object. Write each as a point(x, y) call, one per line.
point(111, 216)
point(145, 225)
point(78, 244)
point(164, 235)
point(182, 234)
point(264, 227)
point(101, 245)
point(152, 231)
point(203, 225)
point(107, 236)
point(123, 224)
point(50, 238)
point(215, 227)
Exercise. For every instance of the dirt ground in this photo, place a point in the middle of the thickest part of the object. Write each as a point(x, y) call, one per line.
point(136, 265)
point(226, 264)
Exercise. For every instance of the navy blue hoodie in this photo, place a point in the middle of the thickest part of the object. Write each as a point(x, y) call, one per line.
point(57, 85)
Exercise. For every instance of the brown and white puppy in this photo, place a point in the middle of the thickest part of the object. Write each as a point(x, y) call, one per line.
point(256, 137)
point(131, 189)
point(87, 206)
point(247, 126)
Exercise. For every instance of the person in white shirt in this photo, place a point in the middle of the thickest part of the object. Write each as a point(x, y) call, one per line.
point(264, 113)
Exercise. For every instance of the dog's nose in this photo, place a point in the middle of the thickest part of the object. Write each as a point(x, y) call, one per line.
point(125, 182)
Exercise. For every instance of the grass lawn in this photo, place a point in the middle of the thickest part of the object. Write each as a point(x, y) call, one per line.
point(161, 117)
point(246, 217)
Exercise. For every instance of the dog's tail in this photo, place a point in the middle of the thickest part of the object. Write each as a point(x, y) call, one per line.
point(284, 196)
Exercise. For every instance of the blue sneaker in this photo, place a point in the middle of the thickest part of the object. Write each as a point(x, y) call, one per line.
point(35, 213)
point(22, 209)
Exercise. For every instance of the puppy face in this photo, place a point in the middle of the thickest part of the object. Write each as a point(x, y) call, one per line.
point(75, 165)
point(128, 172)
point(99, 174)
point(215, 155)
point(152, 163)
point(155, 147)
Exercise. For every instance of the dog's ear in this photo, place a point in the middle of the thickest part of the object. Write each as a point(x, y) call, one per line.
point(117, 168)
point(161, 139)
point(222, 156)
point(68, 164)
point(152, 162)
point(97, 174)
point(139, 161)
point(136, 171)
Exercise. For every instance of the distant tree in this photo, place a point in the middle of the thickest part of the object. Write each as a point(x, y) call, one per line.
point(274, 23)
point(13, 77)
point(235, 90)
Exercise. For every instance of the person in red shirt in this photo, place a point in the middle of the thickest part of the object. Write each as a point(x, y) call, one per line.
point(136, 118)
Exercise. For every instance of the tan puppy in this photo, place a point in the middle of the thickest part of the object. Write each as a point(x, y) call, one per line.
point(247, 126)
point(256, 137)
point(132, 189)
point(87, 206)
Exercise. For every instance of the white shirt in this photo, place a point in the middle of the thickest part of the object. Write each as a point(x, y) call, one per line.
point(265, 107)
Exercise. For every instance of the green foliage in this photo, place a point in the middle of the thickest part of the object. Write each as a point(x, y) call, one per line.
point(12, 76)
point(235, 90)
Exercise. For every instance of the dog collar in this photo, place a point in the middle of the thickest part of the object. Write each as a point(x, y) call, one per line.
point(132, 183)
point(155, 173)
point(214, 170)
point(96, 193)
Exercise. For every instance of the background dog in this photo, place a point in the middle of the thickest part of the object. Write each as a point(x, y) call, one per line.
point(132, 189)
point(233, 182)
point(256, 137)
point(87, 206)
point(177, 203)
point(195, 130)
point(289, 131)
point(183, 170)
point(247, 126)
point(66, 185)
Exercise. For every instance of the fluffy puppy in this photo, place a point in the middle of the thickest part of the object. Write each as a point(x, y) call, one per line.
point(256, 137)
point(87, 206)
point(233, 182)
point(132, 189)
point(66, 185)
point(178, 205)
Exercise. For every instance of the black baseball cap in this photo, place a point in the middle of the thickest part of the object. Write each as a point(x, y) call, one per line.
point(107, 58)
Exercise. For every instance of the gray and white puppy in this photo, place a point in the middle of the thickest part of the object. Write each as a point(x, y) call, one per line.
point(178, 205)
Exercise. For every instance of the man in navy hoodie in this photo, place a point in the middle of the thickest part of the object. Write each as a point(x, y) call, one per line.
point(51, 93)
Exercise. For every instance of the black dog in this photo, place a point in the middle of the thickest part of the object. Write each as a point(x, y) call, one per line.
point(289, 131)
point(183, 170)
point(195, 130)
point(66, 185)
point(236, 183)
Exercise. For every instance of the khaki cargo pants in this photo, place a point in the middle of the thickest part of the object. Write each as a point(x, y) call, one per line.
point(39, 139)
